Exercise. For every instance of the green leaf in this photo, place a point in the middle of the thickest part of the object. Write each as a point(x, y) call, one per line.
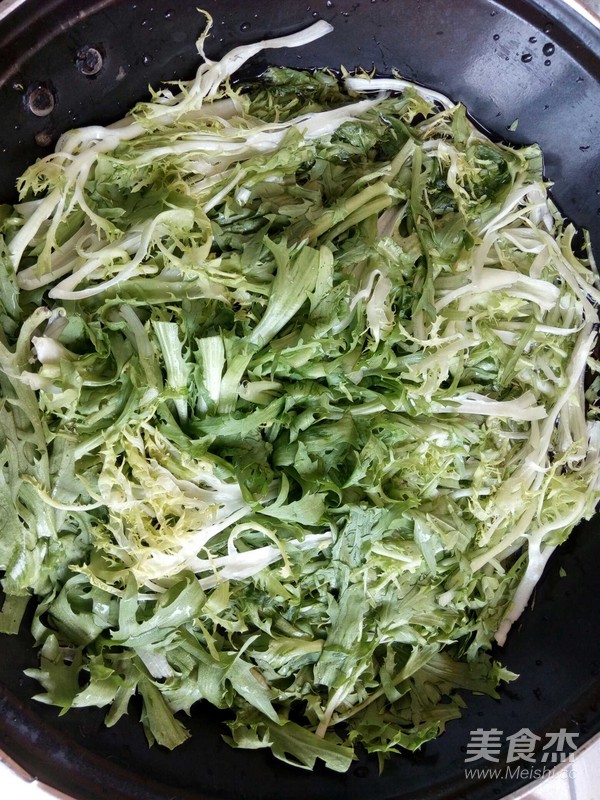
point(292, 744)
point(246, 680)
point(11, 615)
point(10, 525)
point(159, 722)
point(175, 607)
point(295, 278)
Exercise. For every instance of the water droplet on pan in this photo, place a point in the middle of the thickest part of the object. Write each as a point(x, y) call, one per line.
point(169, 14)
point(548, 49)
point(146, 59)
point(548, 27)
point(533, 39)
point(526, 58)
point(496, 37)
point(547, 62)
point(245, 26)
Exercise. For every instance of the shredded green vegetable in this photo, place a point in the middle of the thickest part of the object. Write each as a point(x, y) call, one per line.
point(292, 408)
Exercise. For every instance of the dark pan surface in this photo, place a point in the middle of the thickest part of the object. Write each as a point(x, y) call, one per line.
point(450, 46)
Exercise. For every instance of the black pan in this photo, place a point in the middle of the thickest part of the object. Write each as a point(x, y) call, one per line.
point(535, 61)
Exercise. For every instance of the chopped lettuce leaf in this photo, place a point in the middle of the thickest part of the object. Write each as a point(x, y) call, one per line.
point(293, 408)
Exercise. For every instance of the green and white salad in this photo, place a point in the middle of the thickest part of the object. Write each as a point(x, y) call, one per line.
point(292, 407)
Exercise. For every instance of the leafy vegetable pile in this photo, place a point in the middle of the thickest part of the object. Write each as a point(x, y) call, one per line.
point(292, 408)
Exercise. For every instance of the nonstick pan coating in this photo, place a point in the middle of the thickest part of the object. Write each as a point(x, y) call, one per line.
point(493, 56)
